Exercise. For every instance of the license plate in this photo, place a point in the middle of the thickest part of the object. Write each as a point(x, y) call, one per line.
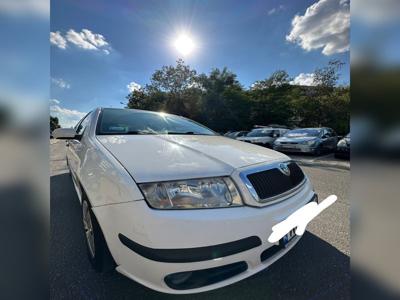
point(288, 237)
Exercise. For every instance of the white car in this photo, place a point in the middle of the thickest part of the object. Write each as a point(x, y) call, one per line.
point(263, 136)
point(173, 205)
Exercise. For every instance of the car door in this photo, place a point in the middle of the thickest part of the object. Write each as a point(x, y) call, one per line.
point(76, 147)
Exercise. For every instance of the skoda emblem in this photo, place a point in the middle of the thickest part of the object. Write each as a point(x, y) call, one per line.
point(283, 167)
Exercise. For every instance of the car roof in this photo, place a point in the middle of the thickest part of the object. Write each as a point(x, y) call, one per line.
point(269, 128)
point(311, 128)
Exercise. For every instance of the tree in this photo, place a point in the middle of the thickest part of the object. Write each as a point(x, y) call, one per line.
point(173, 79)
point(172, 89)
point(225, 105)
point(272, 99)
point(219, 101)
point(54, 123)
point(277, 79)
point(326, 104)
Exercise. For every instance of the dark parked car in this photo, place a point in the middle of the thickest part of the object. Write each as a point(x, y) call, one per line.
point(343, 147)
point(308, 140)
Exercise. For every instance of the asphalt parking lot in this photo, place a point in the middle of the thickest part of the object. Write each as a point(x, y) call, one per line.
point(318, 267)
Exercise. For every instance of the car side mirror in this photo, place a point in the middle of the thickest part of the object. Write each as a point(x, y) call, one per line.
point(64, 133)
point(275, 135)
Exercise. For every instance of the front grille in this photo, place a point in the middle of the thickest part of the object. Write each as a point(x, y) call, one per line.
point(273, 182)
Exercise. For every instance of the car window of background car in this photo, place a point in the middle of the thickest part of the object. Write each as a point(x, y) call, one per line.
point(331, 132)
point(303, 132)
point(327, 133)
point(260, 132)
point(125, 121)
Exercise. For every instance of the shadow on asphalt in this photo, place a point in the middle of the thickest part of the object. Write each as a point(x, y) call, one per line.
point(313, 269)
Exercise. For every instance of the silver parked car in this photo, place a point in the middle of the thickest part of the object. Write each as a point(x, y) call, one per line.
point(236, 134)
point(263, 136)
point(308, 140)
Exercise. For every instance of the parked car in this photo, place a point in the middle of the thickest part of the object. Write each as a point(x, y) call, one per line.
point(308, 140)
point(236, 134)
point(263, 136)
point(176, 207)
point(343, 147)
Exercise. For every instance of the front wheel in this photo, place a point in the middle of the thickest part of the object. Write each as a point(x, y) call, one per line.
point(97, 250)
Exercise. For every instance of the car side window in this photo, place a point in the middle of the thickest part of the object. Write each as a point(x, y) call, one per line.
point(80, 129)
point(327, 133)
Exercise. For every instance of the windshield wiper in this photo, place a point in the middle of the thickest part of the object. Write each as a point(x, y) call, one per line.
point(176, 132)
point(133, 132)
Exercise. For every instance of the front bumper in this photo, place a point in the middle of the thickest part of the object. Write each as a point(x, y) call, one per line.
point(298, 148)
point(185, 230)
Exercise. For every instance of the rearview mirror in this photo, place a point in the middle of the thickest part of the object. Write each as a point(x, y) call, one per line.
point(64, 133)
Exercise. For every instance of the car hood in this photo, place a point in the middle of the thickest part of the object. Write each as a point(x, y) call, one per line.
point(299, 139)
point(172, 157)
point(253, 138)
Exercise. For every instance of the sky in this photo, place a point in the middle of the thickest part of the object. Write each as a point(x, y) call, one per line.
point(101, 49)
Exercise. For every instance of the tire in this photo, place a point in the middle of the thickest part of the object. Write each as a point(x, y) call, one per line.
point(97, 249)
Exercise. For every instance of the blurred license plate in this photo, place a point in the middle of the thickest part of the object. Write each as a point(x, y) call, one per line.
point(290, 147)
point(288, 237)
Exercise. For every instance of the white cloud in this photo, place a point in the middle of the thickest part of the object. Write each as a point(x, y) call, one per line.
point(61, 83)
point(54, 101)
point(58, 40)
point(304, 79)
point(38, 8)
point(276, 10)
point(325, 24)
point(67, 118)
point(133, 86)
point(85, 39)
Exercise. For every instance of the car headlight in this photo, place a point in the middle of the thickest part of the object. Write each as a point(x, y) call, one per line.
point(342, 143)
point(309, 143)
point(192, 194)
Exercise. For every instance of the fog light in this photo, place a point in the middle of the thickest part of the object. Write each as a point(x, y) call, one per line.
point(179, 278)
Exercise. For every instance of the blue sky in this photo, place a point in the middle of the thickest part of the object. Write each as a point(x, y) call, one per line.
point(251, 38)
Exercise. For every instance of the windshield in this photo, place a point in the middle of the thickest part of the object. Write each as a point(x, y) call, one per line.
point(129, 121)
point(260, 132)
point(303, 133)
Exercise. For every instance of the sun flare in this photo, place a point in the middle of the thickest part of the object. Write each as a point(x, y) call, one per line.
point(184, 44)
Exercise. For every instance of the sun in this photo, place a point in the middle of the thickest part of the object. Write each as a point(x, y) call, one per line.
point(184, 44)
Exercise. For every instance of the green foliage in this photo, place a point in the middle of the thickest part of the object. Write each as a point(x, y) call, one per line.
point(219, 101)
